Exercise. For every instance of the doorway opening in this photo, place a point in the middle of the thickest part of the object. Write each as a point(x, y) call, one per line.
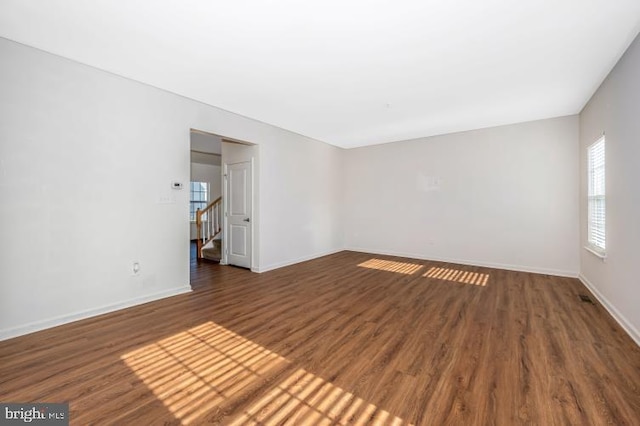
point(223, 195)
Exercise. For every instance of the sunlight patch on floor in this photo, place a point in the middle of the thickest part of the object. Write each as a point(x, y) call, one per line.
point(306, 399)
point(391, 266)
point(194, 371)
point(208, 368)
point(466, 277)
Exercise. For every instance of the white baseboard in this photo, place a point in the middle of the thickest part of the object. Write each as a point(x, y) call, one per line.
point(615, 313)
point(32, 327)
point(520, 268)
point(293, 262)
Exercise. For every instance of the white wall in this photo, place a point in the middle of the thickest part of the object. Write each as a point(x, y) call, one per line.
point(311, 204)
point(208, 173)
point(86, 162)
point(213, 176)
point(615, 110)
point(505, 197)
point(210, 143)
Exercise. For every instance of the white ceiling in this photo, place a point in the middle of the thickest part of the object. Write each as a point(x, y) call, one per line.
point(349, 73)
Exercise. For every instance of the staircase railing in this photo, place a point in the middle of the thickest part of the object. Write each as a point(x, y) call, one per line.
point(208, 223)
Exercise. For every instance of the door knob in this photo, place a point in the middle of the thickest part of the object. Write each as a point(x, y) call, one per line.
point(246, 220)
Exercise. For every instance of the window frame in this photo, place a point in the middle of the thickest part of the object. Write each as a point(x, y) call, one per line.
point(596, 198)
point(192, 202)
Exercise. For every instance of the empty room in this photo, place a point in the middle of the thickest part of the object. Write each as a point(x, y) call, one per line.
point(306, 213)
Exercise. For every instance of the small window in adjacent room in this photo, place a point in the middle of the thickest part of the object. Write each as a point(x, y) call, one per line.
point(199, 198)
point(596, 196)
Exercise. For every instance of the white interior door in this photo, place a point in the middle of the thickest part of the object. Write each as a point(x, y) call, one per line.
point(239, 193)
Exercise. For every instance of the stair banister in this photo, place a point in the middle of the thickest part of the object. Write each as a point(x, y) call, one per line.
point(208, 223)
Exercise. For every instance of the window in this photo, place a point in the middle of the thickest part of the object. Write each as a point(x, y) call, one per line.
point(596, 196)
point(199, 198)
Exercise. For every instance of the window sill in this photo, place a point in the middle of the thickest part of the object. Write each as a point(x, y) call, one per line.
point(599, 254)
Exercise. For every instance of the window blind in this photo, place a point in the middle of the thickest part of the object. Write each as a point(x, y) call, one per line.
point(596, 195)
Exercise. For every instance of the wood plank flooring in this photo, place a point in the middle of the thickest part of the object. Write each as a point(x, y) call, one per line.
point(349, 338)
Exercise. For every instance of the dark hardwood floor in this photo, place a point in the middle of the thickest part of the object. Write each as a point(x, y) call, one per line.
point(349, 338)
